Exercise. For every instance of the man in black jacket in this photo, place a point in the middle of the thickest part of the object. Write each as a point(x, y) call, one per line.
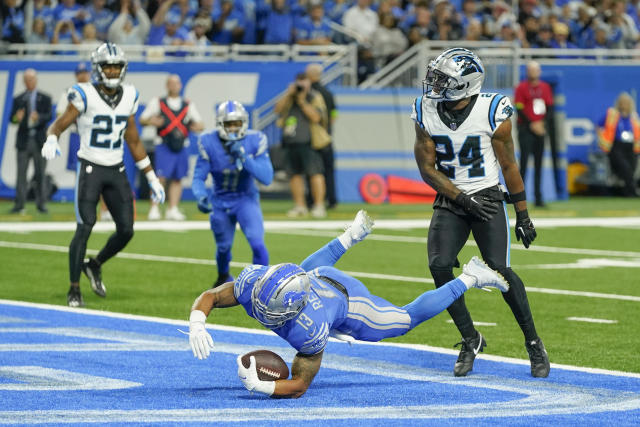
point(31, 111)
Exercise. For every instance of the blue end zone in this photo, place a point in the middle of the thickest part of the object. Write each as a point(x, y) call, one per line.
point(64, 366)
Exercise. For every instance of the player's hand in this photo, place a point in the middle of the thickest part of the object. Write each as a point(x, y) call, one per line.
point(158, 191)
point(237, 150)
point(51, 148)
point(204, 205)
point(478, 206)
point(525, 230)
point(250, 380)
point(199, 339)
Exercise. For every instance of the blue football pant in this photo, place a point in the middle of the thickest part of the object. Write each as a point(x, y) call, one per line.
point(247, 213)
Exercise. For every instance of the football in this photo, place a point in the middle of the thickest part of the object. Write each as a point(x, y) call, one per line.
point(269, 365)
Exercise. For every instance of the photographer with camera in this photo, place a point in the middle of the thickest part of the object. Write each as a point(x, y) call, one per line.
point(304, 121)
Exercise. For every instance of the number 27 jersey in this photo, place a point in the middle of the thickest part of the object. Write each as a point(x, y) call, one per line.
point(102, 122)
point(465, 155)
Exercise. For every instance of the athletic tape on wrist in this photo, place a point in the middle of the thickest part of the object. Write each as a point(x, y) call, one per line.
point(197, 316)
point(517, 197)
point(141, 164)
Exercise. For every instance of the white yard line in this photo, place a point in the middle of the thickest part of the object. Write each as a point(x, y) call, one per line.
point(591, 320)
point(390, 277)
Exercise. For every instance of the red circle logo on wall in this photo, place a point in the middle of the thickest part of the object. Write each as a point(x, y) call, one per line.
point(373, 189)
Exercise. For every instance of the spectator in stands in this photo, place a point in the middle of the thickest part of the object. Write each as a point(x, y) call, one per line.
point(601, 37)
point(314, 73)
point(361, 20)
point(166, 29)
point(279, 24)
point(228, 24)
point(65, 33)
point(561, 36)
point(123, 31)
point(68, 10)
point(582, 27)
point(183, 12)
point(31, 111)
point(174, 117)
point(42, 9)
point(533, 99)
point(101, 18)
point(544, 37)
point(469, 13)
point(335, 9)
point(198, 35)
point(473, 31)
point(314, 29)
point(89, 36)
point(13, 21)
point(303, 114)
point(422, 22)
point(38, 33)
point(388, 41)
point(619, 137)
point(619, 19)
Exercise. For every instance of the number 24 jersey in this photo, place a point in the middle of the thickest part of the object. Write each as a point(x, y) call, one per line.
point(102, 121)
point(465, 155)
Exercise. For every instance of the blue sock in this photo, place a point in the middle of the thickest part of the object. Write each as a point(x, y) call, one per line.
point(434, 302)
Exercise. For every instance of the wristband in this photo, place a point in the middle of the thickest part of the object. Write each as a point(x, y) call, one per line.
point(197, 316)
point(151, 176)
point(522, 214)
point(141, 164)
point(518, 197)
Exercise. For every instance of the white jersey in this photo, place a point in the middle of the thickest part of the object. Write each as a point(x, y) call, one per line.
point(465, 154)
point(101, 125)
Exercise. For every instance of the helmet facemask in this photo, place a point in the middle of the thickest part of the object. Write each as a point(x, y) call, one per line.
point(454, 75)
point(108, 53)
point(232, 112)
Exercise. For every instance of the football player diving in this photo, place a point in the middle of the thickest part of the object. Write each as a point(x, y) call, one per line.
point(234, 155)
point(463, 142)
point(305, 304)
point(104, 111)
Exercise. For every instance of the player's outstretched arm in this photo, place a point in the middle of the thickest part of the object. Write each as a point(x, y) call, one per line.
point(51, 148)
point(199, 339)
point(303, 370)
point(330, 253)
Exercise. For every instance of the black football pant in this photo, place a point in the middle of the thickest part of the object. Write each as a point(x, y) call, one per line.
point(448, 233)
point(91, 181)
point(531, 143)
point(623, 163)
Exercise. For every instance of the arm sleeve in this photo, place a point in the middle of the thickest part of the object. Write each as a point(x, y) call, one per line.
point(200, 173)
point(329, 254)
point(260, 165)
point(62, 104)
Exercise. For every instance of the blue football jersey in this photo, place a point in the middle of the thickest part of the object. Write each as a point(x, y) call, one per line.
point(326, 309)
point(228, 180)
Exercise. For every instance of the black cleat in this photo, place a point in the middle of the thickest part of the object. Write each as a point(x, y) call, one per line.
point(222, 279)
point(93, 271)
point(539, 358)
point(74, 297)
point(470, 349)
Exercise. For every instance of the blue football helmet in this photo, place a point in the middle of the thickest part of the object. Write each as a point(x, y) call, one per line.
point(280, 294)
point(455, 74)
point(108, 53)
point(230, 111)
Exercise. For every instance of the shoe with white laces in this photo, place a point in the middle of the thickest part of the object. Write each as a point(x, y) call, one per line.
point(319, 212)
point(154, 213)
point(485, 276)
point(297, 211)
point(359, 229)
point(174, 214)
point(74, 297)
point(471, 346)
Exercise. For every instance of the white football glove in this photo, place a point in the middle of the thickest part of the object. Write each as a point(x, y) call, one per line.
point(51, 148)
point(359, 229)
point(199, 339)
point(249, 377)
point(156, 187)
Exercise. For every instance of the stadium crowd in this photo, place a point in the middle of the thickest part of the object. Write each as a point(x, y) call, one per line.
point(385, 27)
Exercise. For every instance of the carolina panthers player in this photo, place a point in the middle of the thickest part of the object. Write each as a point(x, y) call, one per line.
point(234, 156)
point(104, 111)
point(463, 140)
point(306, 304)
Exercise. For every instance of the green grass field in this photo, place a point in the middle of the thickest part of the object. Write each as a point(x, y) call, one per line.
point(167, 287)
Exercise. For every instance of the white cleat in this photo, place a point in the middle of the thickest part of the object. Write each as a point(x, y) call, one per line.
point(360, 227)
point(485, 276)
point(154, 213)
point(174, 214)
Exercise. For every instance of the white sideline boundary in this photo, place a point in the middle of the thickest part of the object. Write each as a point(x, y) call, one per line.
point(420, 347)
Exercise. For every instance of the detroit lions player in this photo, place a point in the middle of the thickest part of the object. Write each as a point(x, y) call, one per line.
point(234, 156)
point(463, 139)
point(104, 111)
point(308, 303)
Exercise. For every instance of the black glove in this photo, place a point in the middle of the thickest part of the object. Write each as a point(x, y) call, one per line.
point(524, 228)
point(478, 206)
